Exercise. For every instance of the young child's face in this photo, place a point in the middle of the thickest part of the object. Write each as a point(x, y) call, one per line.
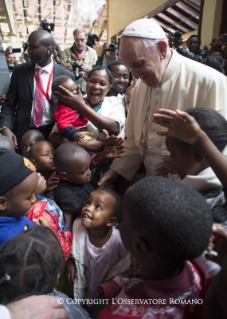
point(79, 172)
point(43, 157)
point(120, 78)
point(70, 85)
point(128, 96)
point(24, 197)
point(182, 157)
point(98, 210)
point(42, 184)
point(97, 87)
point(27, 141)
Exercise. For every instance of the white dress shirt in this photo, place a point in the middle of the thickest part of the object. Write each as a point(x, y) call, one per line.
point(48, 113)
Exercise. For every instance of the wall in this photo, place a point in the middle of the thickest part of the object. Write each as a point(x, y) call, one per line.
point(123, 12)
point(211, 20)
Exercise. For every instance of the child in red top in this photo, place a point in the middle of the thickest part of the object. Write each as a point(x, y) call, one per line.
point(69, 121)
point(47, 213)
point(164, 225)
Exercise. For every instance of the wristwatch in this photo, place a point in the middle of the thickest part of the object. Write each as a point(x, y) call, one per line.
point(2, 128)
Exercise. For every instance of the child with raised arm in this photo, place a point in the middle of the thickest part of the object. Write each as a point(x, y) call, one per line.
point(165, 225)
point(31, 264)
point(195, 140)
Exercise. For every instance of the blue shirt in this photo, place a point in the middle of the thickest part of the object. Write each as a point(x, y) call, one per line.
point(11, 226)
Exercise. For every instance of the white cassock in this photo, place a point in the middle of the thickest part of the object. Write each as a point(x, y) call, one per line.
point(185, 84)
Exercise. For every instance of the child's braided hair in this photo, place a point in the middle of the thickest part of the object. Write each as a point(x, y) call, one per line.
point(30, 263)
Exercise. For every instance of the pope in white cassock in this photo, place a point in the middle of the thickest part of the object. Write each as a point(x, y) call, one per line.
point(166, 80)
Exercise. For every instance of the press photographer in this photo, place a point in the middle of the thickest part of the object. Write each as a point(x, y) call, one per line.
point(175, 39)
point(81, 53)
point(109, 54)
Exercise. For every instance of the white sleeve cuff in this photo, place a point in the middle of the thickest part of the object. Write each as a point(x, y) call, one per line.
point(4, 312)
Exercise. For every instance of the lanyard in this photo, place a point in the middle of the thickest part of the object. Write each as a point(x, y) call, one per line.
point(48, 85)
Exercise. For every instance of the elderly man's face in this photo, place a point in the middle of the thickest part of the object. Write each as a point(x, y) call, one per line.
point(144, 63)
point(80, 40)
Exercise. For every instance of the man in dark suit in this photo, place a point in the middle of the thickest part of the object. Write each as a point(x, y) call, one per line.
point(30, 102)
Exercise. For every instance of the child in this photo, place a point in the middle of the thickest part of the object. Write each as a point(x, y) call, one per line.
point(41, 154)
point(164, 225)
point(17, 194)
point(68, 120)
point(72, 164)
point(46, 208)
point(187, 159)
point(31, 264)
point(98, 246)
point(28, 139)
point(5, 142)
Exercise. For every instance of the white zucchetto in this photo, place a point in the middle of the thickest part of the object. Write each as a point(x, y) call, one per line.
point(144, 28)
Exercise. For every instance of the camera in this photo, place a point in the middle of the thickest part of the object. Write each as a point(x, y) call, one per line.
point(76, 68)
point(16, 50)
point(25, 46)
point(177, 35)
point(183, 51)
point(112, 48)
point(48, 26)
point(91, 38)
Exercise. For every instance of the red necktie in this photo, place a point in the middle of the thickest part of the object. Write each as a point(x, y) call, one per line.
point(38, 105)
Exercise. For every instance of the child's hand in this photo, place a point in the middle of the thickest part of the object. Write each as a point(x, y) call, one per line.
point(100, 292)
point(167, 169)
point(112, 140)
point(70, 271)
point(218, 243)
point(110, 152)
point(78, 137)
point(41, 221)
point(52, 183)
point(181, 125)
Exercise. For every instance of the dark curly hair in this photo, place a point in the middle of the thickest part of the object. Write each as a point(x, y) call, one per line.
point(100, 68)
point(117, 62)
point(30, 263)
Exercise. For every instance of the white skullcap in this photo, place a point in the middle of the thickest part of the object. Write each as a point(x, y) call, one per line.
point(144, 28)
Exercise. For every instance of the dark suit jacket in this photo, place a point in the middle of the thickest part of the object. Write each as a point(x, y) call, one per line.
point(16, 109)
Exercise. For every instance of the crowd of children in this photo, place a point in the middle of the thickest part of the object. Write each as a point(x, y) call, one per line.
point(150, 254)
